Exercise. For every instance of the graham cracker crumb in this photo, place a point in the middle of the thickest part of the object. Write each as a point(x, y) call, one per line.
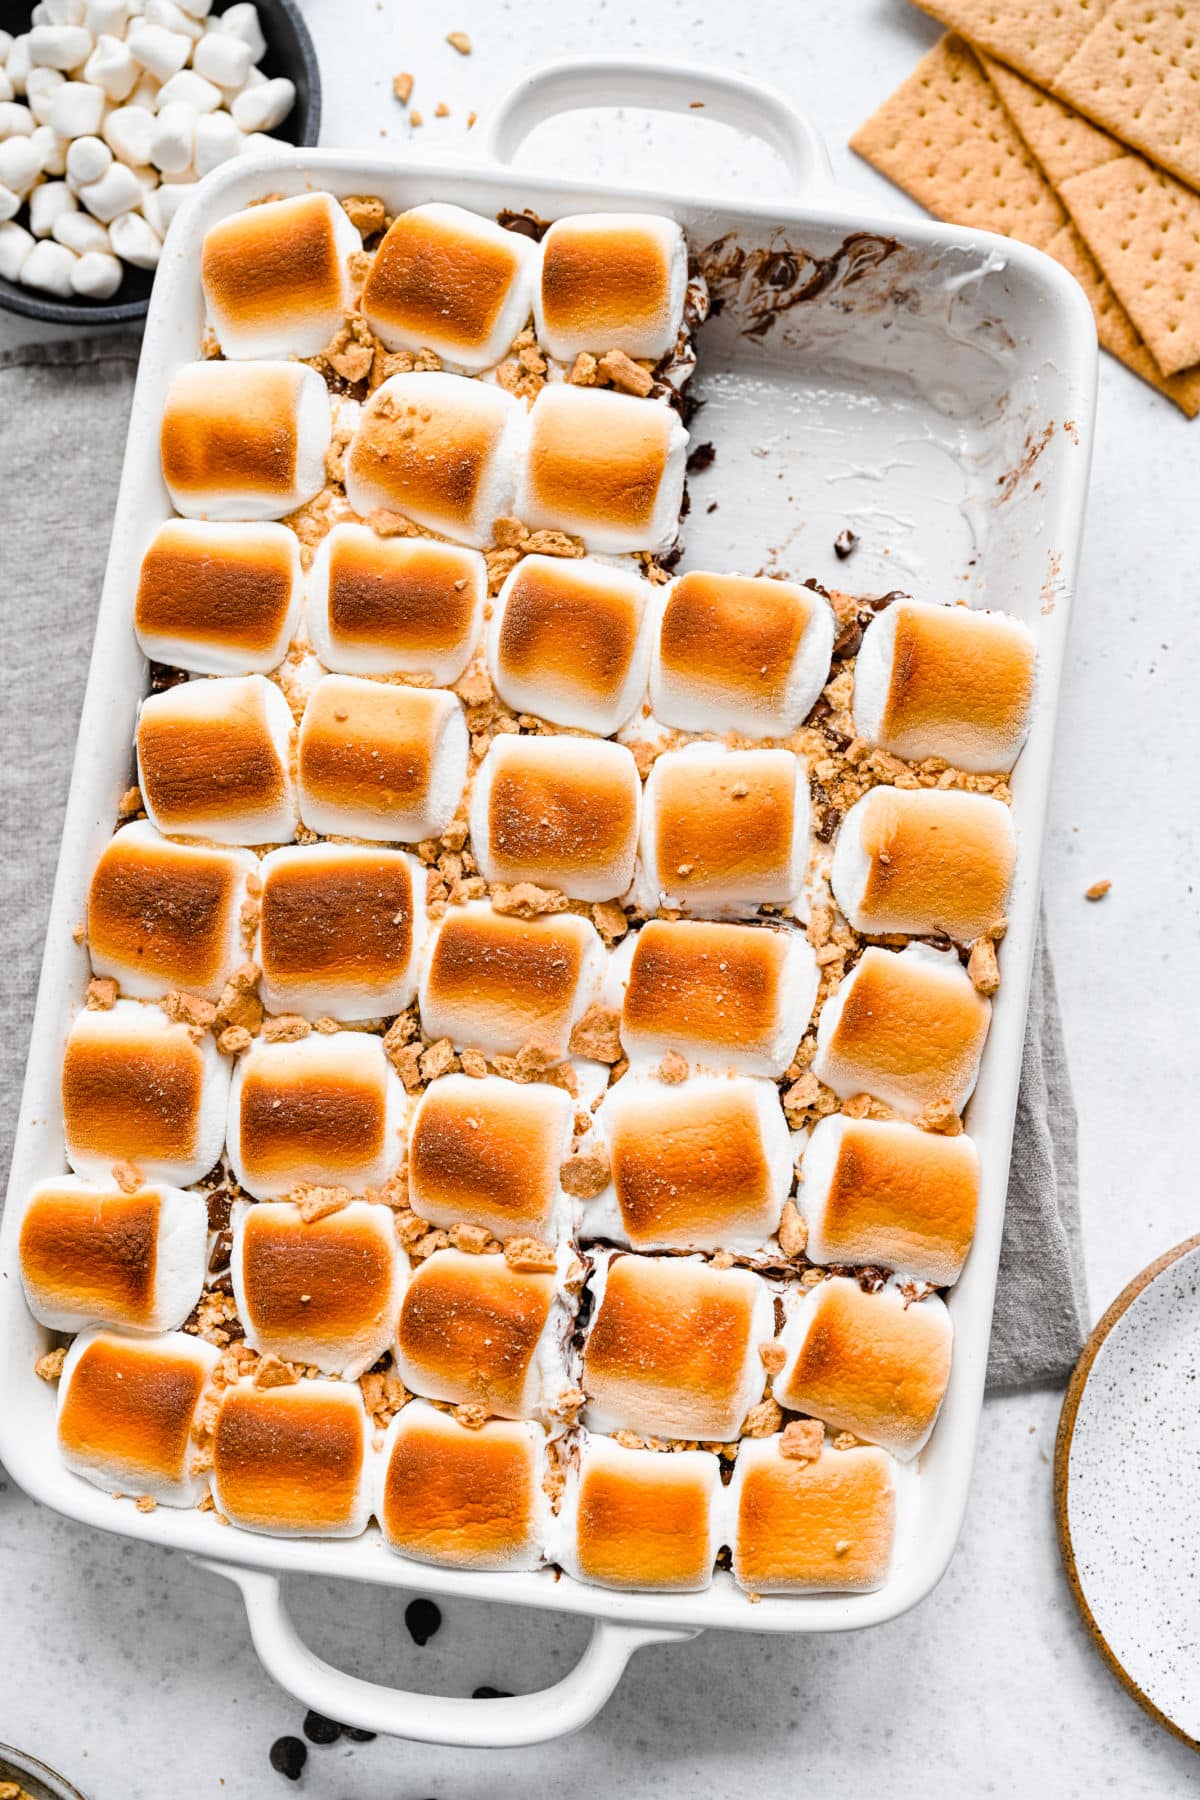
point(50, 1366)
point(313, 1203)
point(529, 1256)
point(608, 916)
point(189, 1009)
point(586, 1174)
point(145, 1503)
point(402, 87)
point(474, 1064)
point(673, 1068)
point(441, 110)
point(473, 1239)
point(525, 900)
point(941, 1117)
point(285, 1028)
point(366, 212)
point(233, 1040)
point(439, 1059)
point(583, 371)
point(802, 1439)
point(793, 1230)
point(472, 1415)
point(272, 1372)
point(101, 994)
point(239, 1003)
point(1097, 890)
point(597, 1034)
point(458, 40)
point(629, 376)
point(128, 1177)
point(772, 1355)
point(415, 118)
point(384, 1394)
point(982, 966)
point(764, 1419)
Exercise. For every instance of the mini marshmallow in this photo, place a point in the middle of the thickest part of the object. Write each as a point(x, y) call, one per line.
point(475, 1332)
point(390, 606)
point(293, 1461)
point(160, 52)
point(16, 247)
point(497, 983)
point(213, 760)
point(117, 191)
point(135, 241)
point(463, 1498)
point(244, 441)
point(611, 281)
point(111, 66)
point(218, 137)
point(6, 86)
point(875, 1191)
point(262, 108)
point(163, 915)
point(218, 599)
point(126, 1412)
point(137, 1088)
point(10, 204)
point(725, 830)
point(96, 1255)
point(905, 1026)
point(128, 131)
point(59, 46)
point(242, 21)
point(19, 65)
point(97, 275)
point(606, 467)
point(945, 681)
point(223, 60)
point(161, 206)
point(381, 762)
point(88, 158)
point(924, 861)
point(15, 120)
point(197, 10)
point(569, 640)
point(740, 653)
point(559, 811)
point(705, 1164)
point(314, 1111)
point(20, 164)
point(729, 997)
point(80, 233)
point(807, 1525)
point(6, 43)
point(446, 280)
point(276, 277)
point(189, 89)
point(173, 138)
point(441, 449)
point(77, 109)
point(47, 204)
point(106, 17)
point(639, 1518)
point(52, 150)
point(49, 266)
point(673, 1347)
point(323, 1291)
point(61, 12)
point(340, 930)
point(165, 12)
point(40, 90)
point(488, 1152)
point(875, 1364)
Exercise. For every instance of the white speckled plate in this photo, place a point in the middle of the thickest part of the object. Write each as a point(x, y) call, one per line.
point(1127, 1488)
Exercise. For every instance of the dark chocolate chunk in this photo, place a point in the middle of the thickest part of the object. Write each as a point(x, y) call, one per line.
point(320, 1730)
point(490, 1693)
point(702, 456)
point(844, 543)
point(288, 1757)
point(525, 224)
point(423, 1618)
point(357, 1736)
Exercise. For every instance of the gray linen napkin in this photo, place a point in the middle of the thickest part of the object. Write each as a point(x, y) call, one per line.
point(64, 409)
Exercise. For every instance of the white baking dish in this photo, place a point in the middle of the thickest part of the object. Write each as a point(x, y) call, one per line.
point(935, 392)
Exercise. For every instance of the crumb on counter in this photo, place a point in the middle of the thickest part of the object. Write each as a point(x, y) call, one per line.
point(1097, 890)
point(458, 40)
point(402, 87)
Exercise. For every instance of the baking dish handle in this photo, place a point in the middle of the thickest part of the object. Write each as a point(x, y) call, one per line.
point(576, 84)
point(435, 1718)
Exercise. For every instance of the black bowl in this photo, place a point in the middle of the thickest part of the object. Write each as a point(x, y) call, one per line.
point(289, 52)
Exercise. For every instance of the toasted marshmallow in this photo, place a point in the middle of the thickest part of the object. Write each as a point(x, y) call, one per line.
point(294, 1461)
point(214, 760)
point(136, 1088)
point(806, 1526)
point(441, 449)
point(244, 441)
point(464, 1499)
point(340, 929)
point(732, 997)
point(316, 1111)
point(740, 653)
point(446, 280)
point(945, 681)
point(488, 1152)
point(126, 1408)
point(873, 1364)
point(475, 1332)
point(924, 860)
point(673, 1347)
point(326, 1292)
point(606, 467)
point(611, 281)
point(702, 1165)
point(497, 983)
point(906, 1026)
point(163, 915)
point(276, 277)
point(379, 761)
point(219, 599)
point(725, 830)
point(92, 1254)
point(569, 641)
point(639, 1518)
point(877, 1191)
point(560, 811)
point(394, 606)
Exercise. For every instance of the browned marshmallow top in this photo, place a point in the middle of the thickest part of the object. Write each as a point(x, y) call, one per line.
point(237, 432)
point(342, 919)
point(734, 635)
point(431, 279)
point(727, 823)
point(486, 1151)
point(129, 1409)
point(598, 281)
point(513, 979)
point(272, 264)
point(425, 460)
point(93, 1252)
point(201, 768)
point(321, 1282)
point(460, 1497)
point(469, 1330)
point(130, 1096)
point(291, 1458)
point(564, 627)
point(368, 746)
point(300, 1120)
point(409, 597)
point(705, 983)
point(695, 1169)
point(560, 810)
point(166, 909)
point(596, 462)
point(231, 591)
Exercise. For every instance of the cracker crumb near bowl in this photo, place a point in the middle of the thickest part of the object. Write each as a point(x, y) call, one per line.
point(1097, 890)
point(402, 87)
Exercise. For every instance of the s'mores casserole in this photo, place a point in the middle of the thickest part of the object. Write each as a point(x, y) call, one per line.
point(535, 988)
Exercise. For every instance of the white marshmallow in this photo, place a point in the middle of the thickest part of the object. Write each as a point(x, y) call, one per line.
point(204, 718)
point(166, 13)
point(145, 91)
point(48, 203)
point(97, 275)
point(20, 164)
point(77, 109)
point(607, 467)
point(614, 1494)
point(59, 46)
point(386, 606)
point(560, 811)
point(6, 43)
point(196, 9)
point(242, 21)
point(192, 89)
point(381, 762)
point(40, 90)
point(10, 204)
point(80, 233)
point(223, 59)
point(7, 90)
point(146, 1447)
point(15, 246)
point(160, 52)
point(633, 267)
point(88, 158)
point(112, 67)
point(135, 241)
point(276, 277)
point(161, 206)
point(289, 402)
point(128, 131)
point(19, 63)
point(262, 108)
point(117, 191)
point(219, 599)
point(63, 12)
point(52, 149)
point(173, 138)
point(106, 18)
point(255, 142)
point(148, 178)
point(49, 266)
point(16, 120)
point(218, 137)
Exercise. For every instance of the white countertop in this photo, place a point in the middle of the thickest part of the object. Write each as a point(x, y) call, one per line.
point(126, 1666)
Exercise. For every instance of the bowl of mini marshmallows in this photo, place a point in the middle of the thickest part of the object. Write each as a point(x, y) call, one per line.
point(110, 112)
